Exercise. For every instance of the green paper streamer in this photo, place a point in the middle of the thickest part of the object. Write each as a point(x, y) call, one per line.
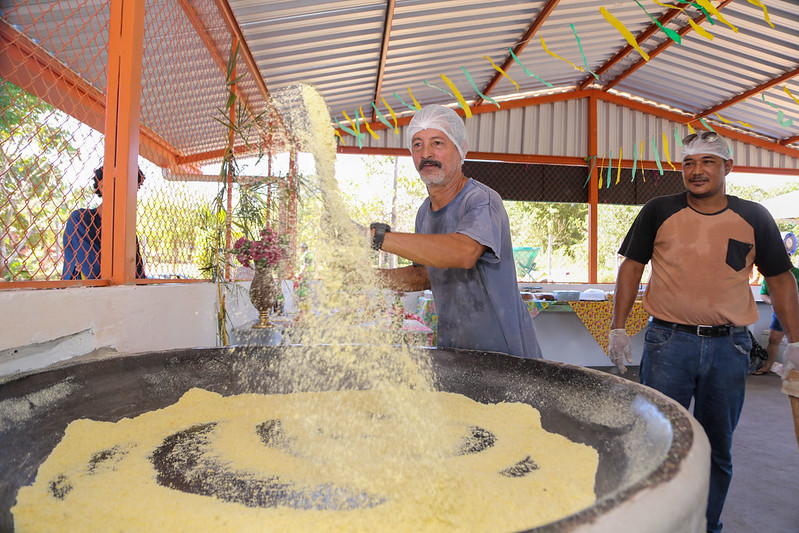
point(527, 71)
point(474, 86)
point(657, 155)
point(580, 46)
point(610, 167)
point(635, 160)
point(358, 129)
point(591, 170)
point(345, 128)
point(673, 35)
point(677, 137)
point(700, 8)
point(781, 120)
point(382, 117)
point(708, 126)
point(443, 91)
point(439, 89)
point(412, 108)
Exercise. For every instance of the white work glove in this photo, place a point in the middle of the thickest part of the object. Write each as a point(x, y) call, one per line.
point(619, 348)
point(790, 359)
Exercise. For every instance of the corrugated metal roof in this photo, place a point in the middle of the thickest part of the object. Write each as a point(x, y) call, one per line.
point(337, 45)
point(434, 37)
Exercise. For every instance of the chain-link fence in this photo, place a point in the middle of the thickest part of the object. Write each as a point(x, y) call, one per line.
point(548, 207)
point(54, 80)
point(53, 84)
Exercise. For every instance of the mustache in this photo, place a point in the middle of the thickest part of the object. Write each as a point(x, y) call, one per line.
point(429, 161)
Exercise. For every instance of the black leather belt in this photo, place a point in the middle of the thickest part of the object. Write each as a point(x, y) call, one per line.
point(702, 331)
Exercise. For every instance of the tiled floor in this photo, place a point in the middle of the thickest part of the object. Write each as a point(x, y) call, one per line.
point(764, 495)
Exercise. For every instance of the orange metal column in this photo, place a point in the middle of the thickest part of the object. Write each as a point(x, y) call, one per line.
point(593, 191)
point(123, 108)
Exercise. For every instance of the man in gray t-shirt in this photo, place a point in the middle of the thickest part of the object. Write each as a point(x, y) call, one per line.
point(462, 247)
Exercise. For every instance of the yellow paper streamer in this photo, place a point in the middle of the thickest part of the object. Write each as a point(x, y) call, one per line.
point(785, 88)
point(616, 23)
point(700, 30)
point(365, 123)
point(724, 120)
point(666, 148)
point(352, 123)
point(713, 11)
point(338, 134)
point(393, 115)
point(358, 134)
point(643, 170)
point(618, 172)
point(691, 129)
point(499, 69)
point(556, 56)
point(765, 11)
point(466, 111)
point(668, 6)
point(415, 103)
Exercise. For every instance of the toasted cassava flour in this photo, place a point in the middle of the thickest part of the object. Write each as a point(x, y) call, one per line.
point(337, 461)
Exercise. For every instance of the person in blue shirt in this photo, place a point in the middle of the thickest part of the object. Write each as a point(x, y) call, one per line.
point(81, 239)
point(461, 248)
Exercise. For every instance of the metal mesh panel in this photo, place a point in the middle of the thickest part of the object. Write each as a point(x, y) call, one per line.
point(53, 79)
point(548, 209)
point(46, 156)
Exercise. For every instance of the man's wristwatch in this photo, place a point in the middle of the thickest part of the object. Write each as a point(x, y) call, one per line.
point(380, 233)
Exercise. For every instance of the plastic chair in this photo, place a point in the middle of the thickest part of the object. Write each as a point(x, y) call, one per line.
point(524, 258)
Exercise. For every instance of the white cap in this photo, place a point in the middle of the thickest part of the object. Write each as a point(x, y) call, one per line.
point(441, 118)
point(706, 142)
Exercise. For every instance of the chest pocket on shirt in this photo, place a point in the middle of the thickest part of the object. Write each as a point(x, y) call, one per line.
point(736, 254)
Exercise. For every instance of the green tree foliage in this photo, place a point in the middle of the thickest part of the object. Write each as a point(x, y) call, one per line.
point(373, 199)
point(541, 223)
point(33, 200)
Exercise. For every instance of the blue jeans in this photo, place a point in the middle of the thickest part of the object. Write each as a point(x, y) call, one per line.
point(712, 371)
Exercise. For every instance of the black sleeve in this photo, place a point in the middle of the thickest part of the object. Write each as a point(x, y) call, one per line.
point(639, 243)
point(771, 258)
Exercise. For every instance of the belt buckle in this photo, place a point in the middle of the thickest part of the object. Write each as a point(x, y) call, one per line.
point(708, 331)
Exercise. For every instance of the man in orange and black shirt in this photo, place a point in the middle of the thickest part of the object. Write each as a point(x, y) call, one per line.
point(702, 244)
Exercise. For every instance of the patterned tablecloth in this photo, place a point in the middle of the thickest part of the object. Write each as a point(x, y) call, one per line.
point(596, 316)
point(426, 311)
point(536, 306)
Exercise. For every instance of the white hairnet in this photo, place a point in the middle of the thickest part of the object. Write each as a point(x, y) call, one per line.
point(706, 142)
point(441, 118)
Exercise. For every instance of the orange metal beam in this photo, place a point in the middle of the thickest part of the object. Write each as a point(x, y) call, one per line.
point(729, 133)
point(521, 158)
point(120, 183)
point(490, 108)
point(751, 92)
point(542, 16)
point(789, 140)
point(663, 46)
point(381, 66)
point(779, 147)
point(27, 65)
point(621, 54)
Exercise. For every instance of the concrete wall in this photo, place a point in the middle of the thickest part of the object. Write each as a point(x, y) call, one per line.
point(41, 327)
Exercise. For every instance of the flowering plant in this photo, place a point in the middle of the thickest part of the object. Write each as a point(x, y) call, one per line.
point(267, 251)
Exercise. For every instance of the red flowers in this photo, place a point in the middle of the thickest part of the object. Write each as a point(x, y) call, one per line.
point(268, 251)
